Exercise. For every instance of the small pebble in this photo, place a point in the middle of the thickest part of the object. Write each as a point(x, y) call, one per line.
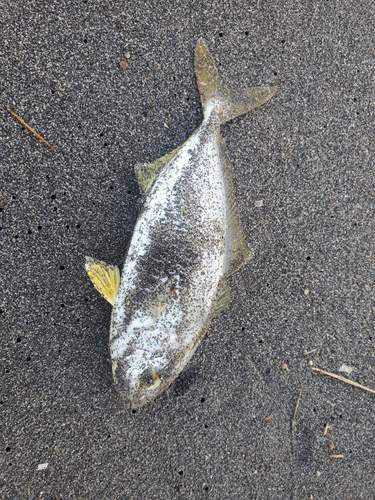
point(346, 369)
point(127, 55)
point(123, 65)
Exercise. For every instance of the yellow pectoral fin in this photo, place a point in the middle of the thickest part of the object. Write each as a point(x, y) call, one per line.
point(105, 278)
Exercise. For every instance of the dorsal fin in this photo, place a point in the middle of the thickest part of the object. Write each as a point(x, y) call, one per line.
point(222, 299)
point(237, 249)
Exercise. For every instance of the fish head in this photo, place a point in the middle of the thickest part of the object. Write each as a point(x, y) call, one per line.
point(140, 378)
point(145, 350)
point(138, 387)
point(143, 362)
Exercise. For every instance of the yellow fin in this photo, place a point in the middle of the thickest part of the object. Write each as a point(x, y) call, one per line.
point(206, 72)
point(146, 173)
point(237, 250)
point(105, 278)
point(229, 103)
point(222, 300)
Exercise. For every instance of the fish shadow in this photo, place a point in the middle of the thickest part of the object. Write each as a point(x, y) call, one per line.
point(184, 381)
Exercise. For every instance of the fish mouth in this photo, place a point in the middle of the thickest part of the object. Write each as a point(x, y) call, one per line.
point(136, 393)
point(150, 380)
point(137, 400)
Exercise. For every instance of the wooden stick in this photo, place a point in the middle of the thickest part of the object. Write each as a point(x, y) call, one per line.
point(38, 136)
point(294, 424)
point(295, 411)
point(346, 380)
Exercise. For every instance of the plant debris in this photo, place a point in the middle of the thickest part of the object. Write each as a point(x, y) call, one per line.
point(343, 379)
point(295, 410)
point(38, 136)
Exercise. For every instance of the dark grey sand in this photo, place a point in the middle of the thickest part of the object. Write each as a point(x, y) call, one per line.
point(304, 178)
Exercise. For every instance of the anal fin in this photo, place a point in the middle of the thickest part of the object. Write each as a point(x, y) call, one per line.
point(146, 173)
point(105, 277)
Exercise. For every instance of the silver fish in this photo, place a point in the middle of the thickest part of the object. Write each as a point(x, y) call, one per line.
point(187, 239)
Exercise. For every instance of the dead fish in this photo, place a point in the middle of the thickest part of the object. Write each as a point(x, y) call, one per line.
point(187, 239)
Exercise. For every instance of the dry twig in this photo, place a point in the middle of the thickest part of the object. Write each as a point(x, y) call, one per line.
point(295, 411)
point(293, 426)
point(38, 136)
point(343, 379)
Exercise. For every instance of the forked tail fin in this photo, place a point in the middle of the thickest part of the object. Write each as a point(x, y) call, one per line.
point(228, 104)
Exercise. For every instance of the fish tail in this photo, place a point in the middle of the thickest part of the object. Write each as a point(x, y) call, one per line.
point(227, 103)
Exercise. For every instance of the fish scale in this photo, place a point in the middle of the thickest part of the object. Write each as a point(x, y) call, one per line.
point(187, 239)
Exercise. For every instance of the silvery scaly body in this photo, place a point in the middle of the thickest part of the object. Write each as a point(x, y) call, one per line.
point(186, 240)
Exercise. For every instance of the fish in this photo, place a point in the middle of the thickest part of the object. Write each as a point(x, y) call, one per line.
point(186, 242)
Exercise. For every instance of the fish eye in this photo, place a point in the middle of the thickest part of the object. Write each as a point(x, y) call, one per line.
point(150, 379)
